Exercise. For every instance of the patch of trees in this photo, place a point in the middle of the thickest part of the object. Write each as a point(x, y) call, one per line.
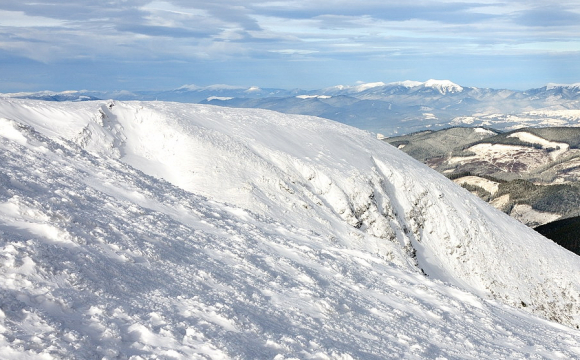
point(564, 232)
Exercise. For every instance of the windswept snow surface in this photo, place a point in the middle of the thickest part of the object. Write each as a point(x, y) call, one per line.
point(443, 86)
point(158, 230)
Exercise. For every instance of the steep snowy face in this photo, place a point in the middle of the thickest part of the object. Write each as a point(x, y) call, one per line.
point(99, 260)
point(339, 183)
point(443, 86)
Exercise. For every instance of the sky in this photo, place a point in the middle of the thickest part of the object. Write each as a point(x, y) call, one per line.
point(160, 45)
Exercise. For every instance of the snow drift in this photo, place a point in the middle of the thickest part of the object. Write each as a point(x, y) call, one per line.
point(184, 231)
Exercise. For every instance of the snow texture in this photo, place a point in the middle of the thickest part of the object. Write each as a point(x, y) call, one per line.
point(176, 231)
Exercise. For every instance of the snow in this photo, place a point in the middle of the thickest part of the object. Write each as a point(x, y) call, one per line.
point(532, 217)
point(443, 86)
point(192, 87)
point(367, 86)
point(158, 230)
point(486, 184)
point(356, 88)
point(551, 86)
point(501, 202)
point(9, 130)
point(313, 97)
point(220, 98)
point(567, 171)
point(535, 118)
point(483, 131)
point(508, 158)
point(516, 158)
point(189, 87)
point(561, 148)
point(406, 83)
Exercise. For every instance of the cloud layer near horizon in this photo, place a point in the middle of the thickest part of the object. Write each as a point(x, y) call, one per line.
point(295, 35)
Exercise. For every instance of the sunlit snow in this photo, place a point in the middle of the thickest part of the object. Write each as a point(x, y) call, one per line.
point(158, 230)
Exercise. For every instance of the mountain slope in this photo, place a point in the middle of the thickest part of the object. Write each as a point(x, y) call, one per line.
point(530, 173)
point(289, 236)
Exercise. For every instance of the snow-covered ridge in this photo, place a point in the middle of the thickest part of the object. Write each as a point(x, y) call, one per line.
point(486, 184)
point(218, 87)
point(67, 95)
point(551, 86)
point(44, 92)
point(193, 87)
point(443, 86)
point(367, 86)
point(326, 176)
point(313, 97)
point(253, 88)
point(220, 98)
point(559, 148)
point(406, 83)
point(484, 131)
point(270, 235)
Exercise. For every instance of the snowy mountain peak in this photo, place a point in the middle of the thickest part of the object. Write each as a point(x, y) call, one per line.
point(189, 87)
point(443, 86)
point(215, 87)
point(253, 89)
point(552, 86)
point(367, 86)
point(406, 83)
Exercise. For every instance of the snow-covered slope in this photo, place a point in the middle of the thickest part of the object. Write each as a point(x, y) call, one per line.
point(272, 236)
point(441, 86)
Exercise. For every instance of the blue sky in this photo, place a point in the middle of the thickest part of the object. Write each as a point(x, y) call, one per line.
point(157, 45)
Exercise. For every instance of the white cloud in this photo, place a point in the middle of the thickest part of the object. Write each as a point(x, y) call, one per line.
point(369, 30)
point(20, 19)
point(293, 52)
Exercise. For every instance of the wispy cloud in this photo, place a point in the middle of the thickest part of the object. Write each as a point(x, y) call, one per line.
point(234, 30)
point(548, 16)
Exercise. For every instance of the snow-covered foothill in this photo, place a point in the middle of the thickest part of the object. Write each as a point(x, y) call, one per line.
point(486, 184)
point(484, 131)
point(531, 217)
point(558, 148)
point(443, 86)
point(163, 230)
point(507, 158)
point(536, 118)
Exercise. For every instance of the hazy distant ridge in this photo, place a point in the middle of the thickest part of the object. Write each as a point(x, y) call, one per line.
point(387, 108)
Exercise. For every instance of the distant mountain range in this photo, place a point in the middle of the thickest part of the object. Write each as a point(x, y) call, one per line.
point(386, 108)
